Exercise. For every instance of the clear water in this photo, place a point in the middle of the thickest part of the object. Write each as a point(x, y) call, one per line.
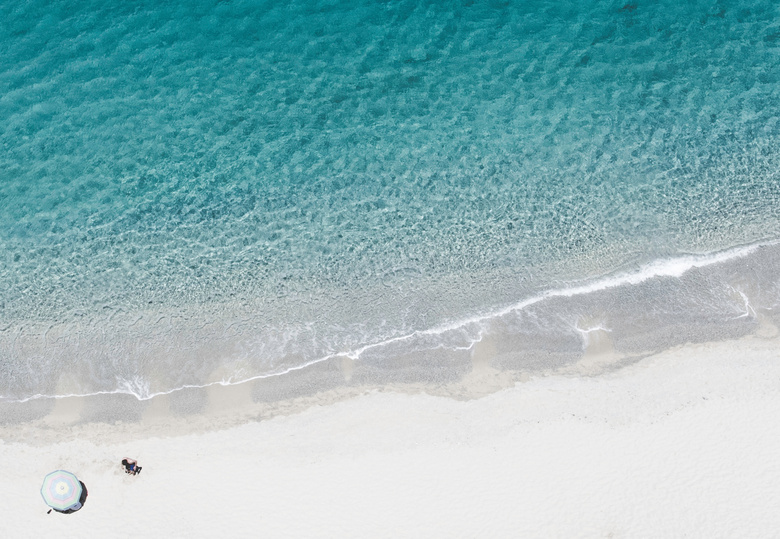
point(204, 191)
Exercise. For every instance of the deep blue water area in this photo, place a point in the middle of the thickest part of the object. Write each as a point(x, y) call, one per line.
point(256, 185)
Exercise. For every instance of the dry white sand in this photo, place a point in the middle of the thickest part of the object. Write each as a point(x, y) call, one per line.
point(684, 443)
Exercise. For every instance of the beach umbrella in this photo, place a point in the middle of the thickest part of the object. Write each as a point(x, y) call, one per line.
point(61, 490)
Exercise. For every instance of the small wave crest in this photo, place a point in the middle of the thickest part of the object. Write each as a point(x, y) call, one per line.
point(463, 333)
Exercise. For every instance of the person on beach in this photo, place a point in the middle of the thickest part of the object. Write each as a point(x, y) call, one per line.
point(131, 466)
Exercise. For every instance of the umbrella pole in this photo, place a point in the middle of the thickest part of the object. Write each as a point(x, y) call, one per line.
point(49, 511)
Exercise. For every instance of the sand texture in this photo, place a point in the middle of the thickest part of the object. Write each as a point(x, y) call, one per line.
point(683, 443)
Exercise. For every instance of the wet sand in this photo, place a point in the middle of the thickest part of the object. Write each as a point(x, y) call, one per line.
point(681, 442)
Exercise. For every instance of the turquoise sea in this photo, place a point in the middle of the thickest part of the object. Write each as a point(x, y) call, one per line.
point(199, 192)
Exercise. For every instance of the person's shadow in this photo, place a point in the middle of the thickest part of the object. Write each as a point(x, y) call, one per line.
point(82, 499)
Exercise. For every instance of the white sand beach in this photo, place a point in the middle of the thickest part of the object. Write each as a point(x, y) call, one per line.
point(682, 443)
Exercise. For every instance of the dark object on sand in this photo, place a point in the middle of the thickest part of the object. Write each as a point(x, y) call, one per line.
point(131, 466)
point(63, 492)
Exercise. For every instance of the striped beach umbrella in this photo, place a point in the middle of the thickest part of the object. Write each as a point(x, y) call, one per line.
point(61, 490)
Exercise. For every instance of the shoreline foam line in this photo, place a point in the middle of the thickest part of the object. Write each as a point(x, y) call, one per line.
point(667, 267)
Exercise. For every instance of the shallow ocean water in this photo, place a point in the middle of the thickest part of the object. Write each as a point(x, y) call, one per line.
point(236, 189)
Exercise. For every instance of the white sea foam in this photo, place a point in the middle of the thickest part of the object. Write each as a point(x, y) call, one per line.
point(670, 267)
point(674, 267)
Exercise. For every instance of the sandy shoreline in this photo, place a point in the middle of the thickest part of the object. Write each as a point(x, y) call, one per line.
point(682, 442)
